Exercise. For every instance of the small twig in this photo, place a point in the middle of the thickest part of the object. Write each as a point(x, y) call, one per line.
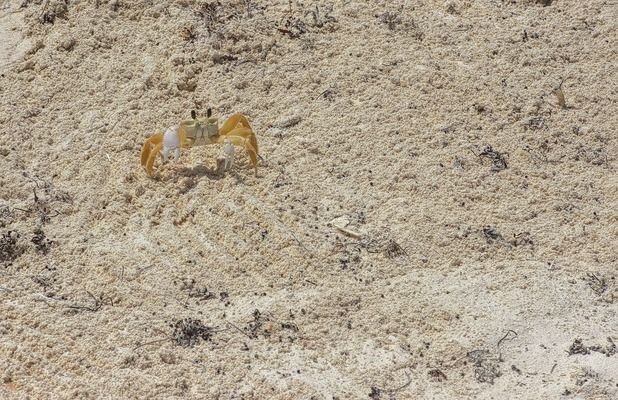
point(50, 301)
point(98, 303)
point(391, 391)
point(405, 385)
point(239, 330)
point(560, 96)
point(506, 336)
point(552, 368)
point(167, 337)
point(141, 270)
point(151, 342)
point(293, 65)
point(540, 159)
point(322, 94)
point(299, 242)
point(348, 232)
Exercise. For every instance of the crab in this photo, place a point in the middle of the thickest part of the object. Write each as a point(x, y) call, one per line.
point(199, 132)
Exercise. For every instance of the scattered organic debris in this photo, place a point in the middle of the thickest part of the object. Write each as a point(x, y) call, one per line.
point(42, 205)
point(583, 375)
point(253, 328)
point(350, 254)
point(188, 34)
point(6, 215)
point(328, 95)
point(188, 332)
point(321, 18)
point(393, 249)
point(223, 25)
point(290, 325)
point(376, 392)
point(385, 245)
point(281, 180)
point(46, 280)
point(9, 249)
point(251, 7)
point(545, 3)
point(497, 159)
point(263, 324)
point(522, 239)
point(541, 155)
point(42, 243)
point(392, 19)
point(486, 367)
point(437, 375)
point(219, 58)
point(594, 156)
point(596, 283)
point(53, 9)
point(293, 27)
point(211, 14)
point(202, 294)
point(491, 234)
point(99, 301)
point(560, 96)
point(537, 122)
point(296, 26)
point(196, 292)
point(578, 347)
point(487, 364)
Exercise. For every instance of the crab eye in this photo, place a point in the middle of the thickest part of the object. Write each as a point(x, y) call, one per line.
point(209, 112)
point(193, 116)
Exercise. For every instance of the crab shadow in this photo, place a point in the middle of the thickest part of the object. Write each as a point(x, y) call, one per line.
point(215, 174)
point(201, 171)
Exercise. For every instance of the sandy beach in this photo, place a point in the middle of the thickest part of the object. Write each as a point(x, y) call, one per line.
point(435, 213)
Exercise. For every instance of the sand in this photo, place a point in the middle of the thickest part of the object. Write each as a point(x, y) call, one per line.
point(435, 215)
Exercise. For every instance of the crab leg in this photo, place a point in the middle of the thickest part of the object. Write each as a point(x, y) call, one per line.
point(233, 122)
point(147, 148)
point(246, 138)
point(228, 151)
point(245, 133)
point(152, 157)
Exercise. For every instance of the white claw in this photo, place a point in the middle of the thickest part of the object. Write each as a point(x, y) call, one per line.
point(228, 151)
point(171, 141)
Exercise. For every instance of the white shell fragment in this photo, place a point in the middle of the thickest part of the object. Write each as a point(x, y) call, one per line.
point(340, 224)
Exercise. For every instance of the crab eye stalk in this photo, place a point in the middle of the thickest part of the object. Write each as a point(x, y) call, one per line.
point(193, 116)
point(209, 112)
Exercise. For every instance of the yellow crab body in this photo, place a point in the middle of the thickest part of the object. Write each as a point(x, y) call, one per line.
point(200, 132)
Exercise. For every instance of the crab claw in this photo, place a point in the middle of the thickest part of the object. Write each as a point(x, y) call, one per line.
point(171, 141)
point(160, 143)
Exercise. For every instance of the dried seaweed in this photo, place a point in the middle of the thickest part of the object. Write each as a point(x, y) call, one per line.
point(188, 332)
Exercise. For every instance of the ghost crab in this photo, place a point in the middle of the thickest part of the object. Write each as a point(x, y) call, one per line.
point(199, 132)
